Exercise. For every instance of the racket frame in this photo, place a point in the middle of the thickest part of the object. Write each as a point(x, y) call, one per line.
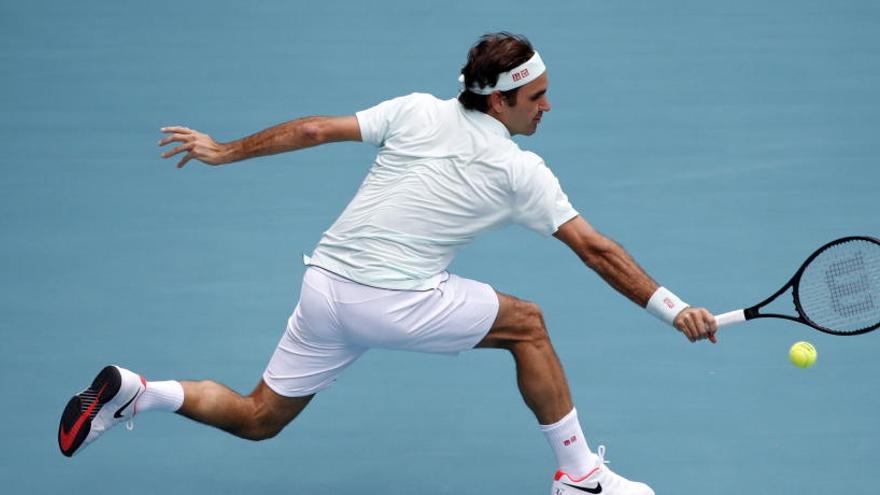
point(754, 312)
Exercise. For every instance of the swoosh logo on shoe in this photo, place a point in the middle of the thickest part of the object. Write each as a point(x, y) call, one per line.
point(118, 413)
point(598, 488)
point(66, 438)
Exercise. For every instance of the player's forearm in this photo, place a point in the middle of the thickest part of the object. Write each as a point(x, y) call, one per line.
point(289, 136)
point(619, 270)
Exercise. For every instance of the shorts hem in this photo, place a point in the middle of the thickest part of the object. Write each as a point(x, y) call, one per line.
point(482, 335)
point(304, 393)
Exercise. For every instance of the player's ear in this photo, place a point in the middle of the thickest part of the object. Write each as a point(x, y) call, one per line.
point(496, 102)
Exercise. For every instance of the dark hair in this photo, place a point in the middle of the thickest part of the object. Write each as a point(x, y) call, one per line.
point(493, 54)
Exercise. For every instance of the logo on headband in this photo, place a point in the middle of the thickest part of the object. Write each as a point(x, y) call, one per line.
point(521, 74)
point(513, 78)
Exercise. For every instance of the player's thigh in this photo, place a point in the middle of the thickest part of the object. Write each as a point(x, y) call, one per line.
point(313, 351)
point(517, 321)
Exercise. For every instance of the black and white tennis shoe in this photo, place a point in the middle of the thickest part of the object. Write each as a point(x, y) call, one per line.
point(599, 480)
point(109, 400)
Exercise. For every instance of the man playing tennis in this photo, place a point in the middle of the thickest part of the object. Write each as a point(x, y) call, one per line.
point(446, 170)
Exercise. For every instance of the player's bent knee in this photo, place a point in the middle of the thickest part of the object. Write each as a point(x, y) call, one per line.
point(260, 428)
point(259, 433)
point(529, 329)
point(265, 420)
point(534, 329)
point(519, 322)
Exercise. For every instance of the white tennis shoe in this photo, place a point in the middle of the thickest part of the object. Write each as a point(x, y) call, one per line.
point(108, 401)
point(599, 480)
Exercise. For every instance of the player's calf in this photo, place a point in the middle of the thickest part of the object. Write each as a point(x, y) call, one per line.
point(258, 416)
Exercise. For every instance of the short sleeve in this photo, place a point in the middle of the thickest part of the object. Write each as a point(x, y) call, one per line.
point(539, 202)
point(377, 122)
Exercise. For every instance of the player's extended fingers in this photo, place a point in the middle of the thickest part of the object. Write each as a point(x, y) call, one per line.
point(185, 159)
point(179, 149)
point(176, 137)
point(181, 129)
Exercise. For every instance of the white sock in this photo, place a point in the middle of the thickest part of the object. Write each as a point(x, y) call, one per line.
point(161, 396)
point(570, 446)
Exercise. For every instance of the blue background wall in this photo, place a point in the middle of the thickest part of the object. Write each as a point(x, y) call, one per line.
point(719, 141)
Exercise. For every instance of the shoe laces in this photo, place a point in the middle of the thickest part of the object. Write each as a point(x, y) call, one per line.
point(129, 425)
point(600, 451)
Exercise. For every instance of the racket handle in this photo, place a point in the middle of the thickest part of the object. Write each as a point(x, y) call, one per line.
point(730, 318)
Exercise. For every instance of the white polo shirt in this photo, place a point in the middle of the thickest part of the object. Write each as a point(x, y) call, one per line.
point(442, 176)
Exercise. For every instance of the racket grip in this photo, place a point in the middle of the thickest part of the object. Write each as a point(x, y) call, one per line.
point(730, 318)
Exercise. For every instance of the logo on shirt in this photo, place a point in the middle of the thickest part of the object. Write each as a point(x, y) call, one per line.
point(521, 74)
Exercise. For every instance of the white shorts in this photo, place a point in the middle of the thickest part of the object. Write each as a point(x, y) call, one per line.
point(337, 320)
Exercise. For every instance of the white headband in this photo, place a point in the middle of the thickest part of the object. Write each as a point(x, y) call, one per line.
point(521, 75)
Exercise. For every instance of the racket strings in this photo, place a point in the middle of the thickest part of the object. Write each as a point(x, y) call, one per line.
point(845, 296)
point(839, 289)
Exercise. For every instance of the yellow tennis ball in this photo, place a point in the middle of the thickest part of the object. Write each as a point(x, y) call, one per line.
point(803, 354)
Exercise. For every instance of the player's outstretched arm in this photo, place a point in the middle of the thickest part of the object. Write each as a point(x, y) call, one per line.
point(289, 136)
point(608, 259)
point(617, 267)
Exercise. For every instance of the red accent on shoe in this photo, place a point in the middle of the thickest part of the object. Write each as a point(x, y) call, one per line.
point(559, 474)
point(66, 438)
point(135, 405)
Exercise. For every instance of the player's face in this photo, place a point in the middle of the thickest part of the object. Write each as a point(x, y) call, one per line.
point(531, 103)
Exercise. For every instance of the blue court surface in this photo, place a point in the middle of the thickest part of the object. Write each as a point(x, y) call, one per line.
point(719, 141)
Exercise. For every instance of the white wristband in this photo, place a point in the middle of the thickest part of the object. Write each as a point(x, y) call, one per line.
point(665, 305)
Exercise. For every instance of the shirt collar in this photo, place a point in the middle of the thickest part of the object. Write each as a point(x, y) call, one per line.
point(488, 122)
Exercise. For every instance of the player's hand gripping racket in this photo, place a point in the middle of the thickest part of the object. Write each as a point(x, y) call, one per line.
point(836, 290)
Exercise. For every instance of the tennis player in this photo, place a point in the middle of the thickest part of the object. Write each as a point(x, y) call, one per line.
point(446, 170)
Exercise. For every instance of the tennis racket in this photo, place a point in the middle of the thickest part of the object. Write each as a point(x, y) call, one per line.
point(836, 290)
